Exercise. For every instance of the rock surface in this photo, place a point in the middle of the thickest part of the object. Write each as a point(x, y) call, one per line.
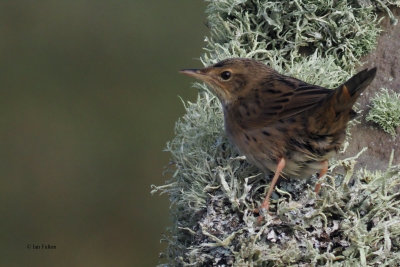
point(386, 57)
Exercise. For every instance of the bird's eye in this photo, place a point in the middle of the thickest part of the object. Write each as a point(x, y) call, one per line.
point(226, 75)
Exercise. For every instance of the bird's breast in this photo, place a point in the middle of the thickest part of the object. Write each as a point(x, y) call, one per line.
point(264, 146)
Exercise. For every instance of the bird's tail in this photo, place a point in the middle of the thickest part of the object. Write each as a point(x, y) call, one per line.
point(331, 115)
point(348, 92)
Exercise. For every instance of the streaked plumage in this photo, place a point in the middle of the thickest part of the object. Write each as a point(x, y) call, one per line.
point(279, 121)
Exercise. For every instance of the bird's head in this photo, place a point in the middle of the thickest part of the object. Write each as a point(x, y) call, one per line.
point(230, 78)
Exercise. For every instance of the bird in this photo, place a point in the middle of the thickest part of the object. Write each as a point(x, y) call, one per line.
point(281, 124)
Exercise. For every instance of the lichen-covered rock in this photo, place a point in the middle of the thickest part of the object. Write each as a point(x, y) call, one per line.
point(355, 221)
point(385, 111)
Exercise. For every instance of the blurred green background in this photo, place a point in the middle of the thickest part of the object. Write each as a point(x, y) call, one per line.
point(88, 99)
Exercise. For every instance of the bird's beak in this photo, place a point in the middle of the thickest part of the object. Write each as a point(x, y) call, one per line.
point(195, 73)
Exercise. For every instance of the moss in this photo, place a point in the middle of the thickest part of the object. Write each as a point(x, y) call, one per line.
point(385, 111)
point(213, 190)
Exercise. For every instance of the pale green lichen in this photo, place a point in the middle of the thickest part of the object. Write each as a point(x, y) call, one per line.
point(385, 111)
point(213, 190)
point(289, 29)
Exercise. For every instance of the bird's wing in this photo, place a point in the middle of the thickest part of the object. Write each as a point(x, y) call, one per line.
point(277, 99)
point(335, 111)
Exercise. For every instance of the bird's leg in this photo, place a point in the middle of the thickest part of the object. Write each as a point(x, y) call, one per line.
point(265, 205)
point(321, 174)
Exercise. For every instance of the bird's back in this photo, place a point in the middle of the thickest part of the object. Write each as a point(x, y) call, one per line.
point(306, 124)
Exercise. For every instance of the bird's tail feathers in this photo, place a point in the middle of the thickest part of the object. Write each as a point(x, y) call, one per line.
point(348, 92)
point(360, 81)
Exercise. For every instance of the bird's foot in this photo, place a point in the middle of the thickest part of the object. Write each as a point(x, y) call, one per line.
point(317, 188)
point(262, 212)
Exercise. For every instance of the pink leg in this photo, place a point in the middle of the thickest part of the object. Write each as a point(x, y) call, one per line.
point(265, 204)
point(321, 174)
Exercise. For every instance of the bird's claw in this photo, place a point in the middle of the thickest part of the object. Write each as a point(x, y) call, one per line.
point(262, 211)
